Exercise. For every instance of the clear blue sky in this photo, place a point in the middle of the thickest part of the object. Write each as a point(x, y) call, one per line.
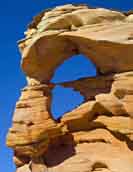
point(14, 16)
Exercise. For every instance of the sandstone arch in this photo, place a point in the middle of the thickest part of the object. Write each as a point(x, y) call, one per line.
point(66, 44)
point(102, 126)
point(93, 37)
point(65, 99)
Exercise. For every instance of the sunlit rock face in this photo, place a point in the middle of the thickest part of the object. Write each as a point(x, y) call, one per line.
point(97, 136)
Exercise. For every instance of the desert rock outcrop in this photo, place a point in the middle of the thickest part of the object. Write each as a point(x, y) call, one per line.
point(97, 135)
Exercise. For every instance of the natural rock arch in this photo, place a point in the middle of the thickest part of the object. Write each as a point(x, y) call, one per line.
point(66, 99)
point(97, 134)
point(92, 36)
point(68, 44)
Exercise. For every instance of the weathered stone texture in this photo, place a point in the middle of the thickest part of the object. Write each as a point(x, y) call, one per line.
point(97, 136)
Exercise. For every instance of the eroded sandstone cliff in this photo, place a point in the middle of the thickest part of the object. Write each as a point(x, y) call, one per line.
point(97, 135)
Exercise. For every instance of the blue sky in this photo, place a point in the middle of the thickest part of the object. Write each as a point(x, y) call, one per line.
point(14, 17)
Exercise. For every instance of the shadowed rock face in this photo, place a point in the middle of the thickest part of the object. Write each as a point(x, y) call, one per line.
point(97, 135)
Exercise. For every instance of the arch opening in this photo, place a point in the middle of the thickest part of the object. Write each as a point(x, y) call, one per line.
point(66, 99)
point(74, 68)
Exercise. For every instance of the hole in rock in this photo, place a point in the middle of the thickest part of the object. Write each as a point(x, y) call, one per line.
point(78, 66)
point(30, 124)
point(99, 166)
point(66, 99)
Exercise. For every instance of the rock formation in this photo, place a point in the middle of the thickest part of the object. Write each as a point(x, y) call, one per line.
point(97, 136)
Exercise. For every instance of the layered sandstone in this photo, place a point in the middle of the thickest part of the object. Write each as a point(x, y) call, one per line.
point(97, 135)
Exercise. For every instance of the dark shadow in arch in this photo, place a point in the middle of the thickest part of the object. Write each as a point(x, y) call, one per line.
point(59, 151)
